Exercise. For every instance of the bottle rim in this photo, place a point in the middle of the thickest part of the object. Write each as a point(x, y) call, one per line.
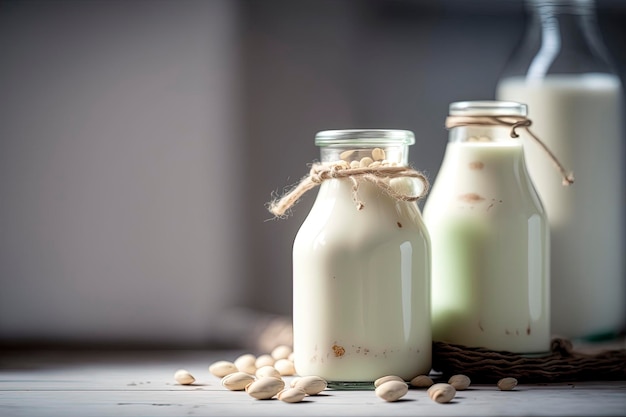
point(488, 108)
point(364, 137)
point(563, 6)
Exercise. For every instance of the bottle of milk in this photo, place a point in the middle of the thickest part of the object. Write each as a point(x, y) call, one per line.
point(361, 264)
point(489, 236)
point(561, 71)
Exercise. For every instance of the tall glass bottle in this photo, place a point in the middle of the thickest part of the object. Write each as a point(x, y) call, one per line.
point(562, 72)
point(489, 238)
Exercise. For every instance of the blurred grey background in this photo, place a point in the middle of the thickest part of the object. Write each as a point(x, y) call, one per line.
point(140, 141)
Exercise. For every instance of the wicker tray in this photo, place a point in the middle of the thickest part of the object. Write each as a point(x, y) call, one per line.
point(563, 364)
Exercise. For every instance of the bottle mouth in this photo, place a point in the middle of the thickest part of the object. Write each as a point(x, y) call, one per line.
point(356, 137)
point(488, 108)
point(580, 7)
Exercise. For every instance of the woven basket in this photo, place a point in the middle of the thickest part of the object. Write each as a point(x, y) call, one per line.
point(563, 364)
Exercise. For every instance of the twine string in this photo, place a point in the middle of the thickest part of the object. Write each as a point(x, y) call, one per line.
point(514, 122)
point(379, 176)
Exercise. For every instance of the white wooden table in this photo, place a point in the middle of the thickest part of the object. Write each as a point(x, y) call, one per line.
point(138, 383)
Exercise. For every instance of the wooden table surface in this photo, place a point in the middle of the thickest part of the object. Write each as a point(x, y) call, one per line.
point(140, 383)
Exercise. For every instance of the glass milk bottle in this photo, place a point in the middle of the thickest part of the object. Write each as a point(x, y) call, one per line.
point(561, 71)
point(489, 237)
point(361, 265)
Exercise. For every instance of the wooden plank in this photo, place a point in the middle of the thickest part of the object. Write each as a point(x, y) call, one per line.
point(141, 383)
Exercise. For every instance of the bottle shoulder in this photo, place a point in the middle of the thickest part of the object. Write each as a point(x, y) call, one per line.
point(489, 183)
point(335, 216)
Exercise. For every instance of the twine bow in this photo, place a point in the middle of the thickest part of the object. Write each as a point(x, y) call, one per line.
point(378, 176)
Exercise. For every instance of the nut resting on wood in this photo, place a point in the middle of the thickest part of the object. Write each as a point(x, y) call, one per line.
point(392, 390)
point(222, 368)
point(311, 384)
point(267, 370)
point(281, 352)
point(507, 384)
point(265, 388)
point(183, 377)
point(237, 381)
point(441, 392)
point(384, 379)
point(264, 360)
point(246, 363)
point(291, 395)
point(285, 367)
point(459, 382)
point(422, 381)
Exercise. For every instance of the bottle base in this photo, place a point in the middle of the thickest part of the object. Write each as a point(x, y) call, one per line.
point(535, 354)
point(351, 385)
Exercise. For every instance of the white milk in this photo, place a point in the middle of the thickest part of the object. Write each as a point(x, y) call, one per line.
point(489, 236)
point(361, 287)
point(579, 118)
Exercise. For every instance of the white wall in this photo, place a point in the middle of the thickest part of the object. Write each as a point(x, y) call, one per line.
point(119, 179)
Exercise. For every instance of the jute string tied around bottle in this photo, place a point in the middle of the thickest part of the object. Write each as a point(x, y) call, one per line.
point(379, 176)
point(513, 122)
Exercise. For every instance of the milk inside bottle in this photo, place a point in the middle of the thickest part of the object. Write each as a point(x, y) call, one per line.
point(579, 117)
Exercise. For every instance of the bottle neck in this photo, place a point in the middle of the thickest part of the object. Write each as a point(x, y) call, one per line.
point(562, 37)
point(363, 156)
point(362, 147)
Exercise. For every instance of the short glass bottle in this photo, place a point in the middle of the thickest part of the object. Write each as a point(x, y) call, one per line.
point(489, 238)
point(361, 272)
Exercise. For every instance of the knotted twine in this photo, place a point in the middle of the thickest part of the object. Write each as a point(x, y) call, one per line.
point(513, 122)
point(562, 364)
point(378, 176)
